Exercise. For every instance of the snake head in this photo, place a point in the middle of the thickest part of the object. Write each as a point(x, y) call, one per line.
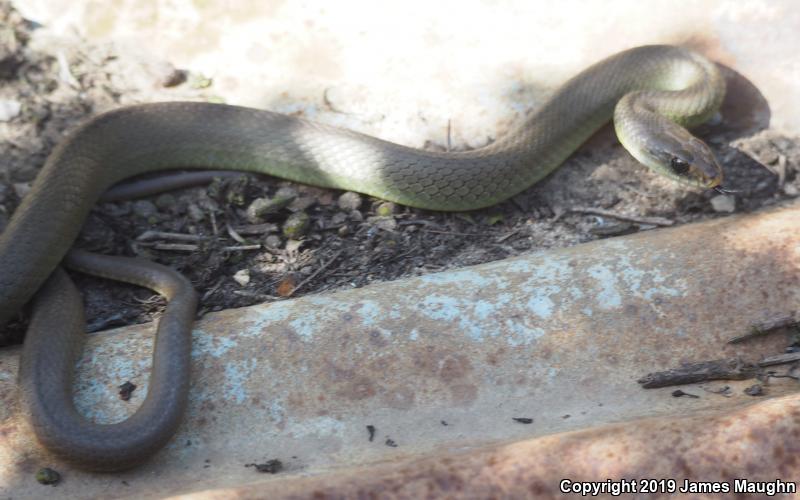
point(678, 154)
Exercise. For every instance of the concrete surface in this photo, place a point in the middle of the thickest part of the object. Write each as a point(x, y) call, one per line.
point(560, 337)
point(401, 70)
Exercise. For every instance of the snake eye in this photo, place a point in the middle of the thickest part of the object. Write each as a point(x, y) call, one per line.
point(679, 166)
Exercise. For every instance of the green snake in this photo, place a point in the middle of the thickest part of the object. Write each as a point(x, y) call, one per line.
point(652, 93)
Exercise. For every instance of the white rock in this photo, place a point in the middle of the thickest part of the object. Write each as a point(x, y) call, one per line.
point(9, 109)
point(242, 277)
point(723, 203)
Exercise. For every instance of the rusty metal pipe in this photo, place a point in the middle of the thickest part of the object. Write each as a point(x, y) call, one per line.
point(443, 363)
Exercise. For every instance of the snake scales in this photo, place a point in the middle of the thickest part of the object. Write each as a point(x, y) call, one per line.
point(652, 92)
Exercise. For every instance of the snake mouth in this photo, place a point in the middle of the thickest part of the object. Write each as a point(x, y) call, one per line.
point(714, 183)
point(708, 176)
point(721, 190)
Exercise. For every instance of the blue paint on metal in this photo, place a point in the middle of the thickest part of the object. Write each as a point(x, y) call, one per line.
point(475, 330)
point(318, 427)
point(395, 313)
point(608, 297)
point(370, 312)
point(214, 345)
point(521, 265)
point(540, 303)
point(647, 284)
point(441, 307)
point(521, 334)
point(483, 309)
point(237, 374)
point(304, 325)
point(458, 277)
point(277, 411)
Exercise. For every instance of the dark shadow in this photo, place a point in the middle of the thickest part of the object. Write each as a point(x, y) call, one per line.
point(745, 110)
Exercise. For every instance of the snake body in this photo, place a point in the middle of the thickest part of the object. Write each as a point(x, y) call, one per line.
point(651, 91)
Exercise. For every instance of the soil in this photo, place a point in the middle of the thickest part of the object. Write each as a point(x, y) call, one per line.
point(322, 240)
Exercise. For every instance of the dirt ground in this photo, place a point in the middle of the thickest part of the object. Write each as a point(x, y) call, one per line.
point(322, 240)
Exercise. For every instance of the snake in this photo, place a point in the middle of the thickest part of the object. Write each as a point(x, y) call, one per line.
point(653, 94)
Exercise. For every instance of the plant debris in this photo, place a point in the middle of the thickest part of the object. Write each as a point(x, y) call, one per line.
point(126, 390)
point(269, 467)
point(522, 420)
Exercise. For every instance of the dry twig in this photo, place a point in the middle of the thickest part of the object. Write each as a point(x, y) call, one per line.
point(655, 221)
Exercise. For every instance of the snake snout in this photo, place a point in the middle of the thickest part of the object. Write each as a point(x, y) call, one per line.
point(704, 167)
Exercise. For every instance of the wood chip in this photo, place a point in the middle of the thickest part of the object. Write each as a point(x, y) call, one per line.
point(720, 369)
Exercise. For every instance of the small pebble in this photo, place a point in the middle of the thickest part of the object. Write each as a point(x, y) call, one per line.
point(338, 218)
point(293, 246)
point(384, 223)
point(302, 203)
point(325, 199)
point(195, 212)
point(242, 277)
point(261, 207)
point(258, 208)
point(356, 216)
point(386, 209)
point(172, 77)
point(755, 390)
point(21, 189)
point(9, 109)
point(349, 201)
point(286, 192)
point(144, 208)
point(235, 190)
point(165, 201)
point(296, 225)
point(46, 475)
point(273, 241)
point(790, 189)
point(723, 203)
